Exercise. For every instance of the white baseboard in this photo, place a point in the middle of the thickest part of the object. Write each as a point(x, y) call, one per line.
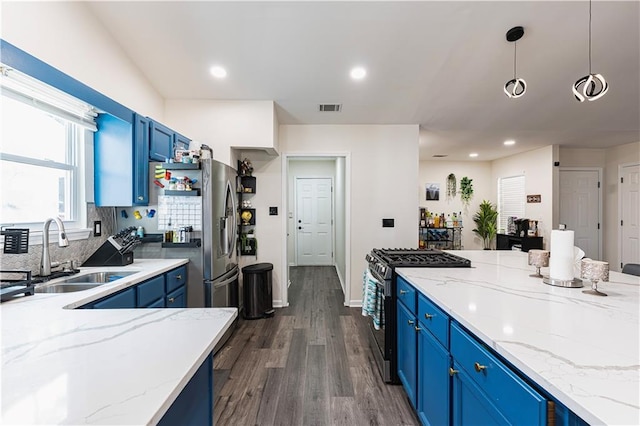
point(339, 277)
point(355, 303)
point(279, 304)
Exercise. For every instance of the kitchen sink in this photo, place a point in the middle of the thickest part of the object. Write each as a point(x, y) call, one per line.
point(65, 288)
point(82, 282)
point(97, 277)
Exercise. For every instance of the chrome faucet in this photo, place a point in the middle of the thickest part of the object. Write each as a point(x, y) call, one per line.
point(45, 261)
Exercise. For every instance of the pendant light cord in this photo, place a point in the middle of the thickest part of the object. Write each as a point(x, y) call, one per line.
point(589, 37)
point(515, 55)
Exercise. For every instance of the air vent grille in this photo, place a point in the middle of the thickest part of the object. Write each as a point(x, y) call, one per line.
point(330, 107)
point(439, 155)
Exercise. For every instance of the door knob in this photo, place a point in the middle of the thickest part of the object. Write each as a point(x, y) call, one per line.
point(299, 227)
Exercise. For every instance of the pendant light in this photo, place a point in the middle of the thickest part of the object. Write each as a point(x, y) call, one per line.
point(592, 86)
point(515, 87)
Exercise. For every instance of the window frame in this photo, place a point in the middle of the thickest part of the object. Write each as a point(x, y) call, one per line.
point(520, 210)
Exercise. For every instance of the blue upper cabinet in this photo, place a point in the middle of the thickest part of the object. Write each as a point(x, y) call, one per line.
point(160, 141)
point(163, 141)
point(121, 165)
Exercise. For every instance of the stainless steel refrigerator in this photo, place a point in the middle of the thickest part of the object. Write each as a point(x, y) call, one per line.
point(213, 269)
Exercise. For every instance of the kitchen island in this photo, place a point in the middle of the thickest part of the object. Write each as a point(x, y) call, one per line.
point(582, 350)
point(62, 365)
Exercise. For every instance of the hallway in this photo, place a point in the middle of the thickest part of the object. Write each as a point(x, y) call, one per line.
point(310, 364)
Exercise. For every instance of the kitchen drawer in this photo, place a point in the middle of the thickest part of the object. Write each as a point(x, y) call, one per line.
point(176, 278)
point(150, 291)
point(513, 397)
point(407, 294)
point(157, 304)
point(123, 300)
point(434, 319)
point(177, 298)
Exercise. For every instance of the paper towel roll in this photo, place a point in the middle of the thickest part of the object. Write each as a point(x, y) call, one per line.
point(562, 256)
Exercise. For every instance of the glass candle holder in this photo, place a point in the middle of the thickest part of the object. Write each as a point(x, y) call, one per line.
point(594, 271)
point(539, 259)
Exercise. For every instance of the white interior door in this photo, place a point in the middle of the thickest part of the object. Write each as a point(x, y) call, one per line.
point(580, 208)
point(314, 233)
point(630, 214)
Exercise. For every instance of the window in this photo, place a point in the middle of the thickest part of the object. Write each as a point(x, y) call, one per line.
point(41, 153)
point(511, 199)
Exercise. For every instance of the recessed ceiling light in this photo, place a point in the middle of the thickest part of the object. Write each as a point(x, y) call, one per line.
point(473, 154)
point(509, 143)
point(358, 73)
point(218, 72)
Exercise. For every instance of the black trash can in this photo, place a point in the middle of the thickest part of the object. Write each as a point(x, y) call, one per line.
point(257, 290)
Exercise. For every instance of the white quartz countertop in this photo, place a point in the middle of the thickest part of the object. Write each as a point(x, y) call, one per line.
point(584, 350)
point(101, 366)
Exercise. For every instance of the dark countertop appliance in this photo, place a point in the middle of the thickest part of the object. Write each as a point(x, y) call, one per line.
point(381, 265)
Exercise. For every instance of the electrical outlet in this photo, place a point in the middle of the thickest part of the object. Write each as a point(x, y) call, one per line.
point(273, 211)
point(97, 228)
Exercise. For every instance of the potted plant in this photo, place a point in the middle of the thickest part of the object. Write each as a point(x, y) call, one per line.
point(486, 219)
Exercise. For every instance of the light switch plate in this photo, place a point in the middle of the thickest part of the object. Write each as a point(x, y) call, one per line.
point(97, 228)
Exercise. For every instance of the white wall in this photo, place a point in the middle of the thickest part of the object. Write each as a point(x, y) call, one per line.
point(303, 168)
point(68, 37)
point(340, 220)
point(538, 169)
point(437, 172)
point(384, 172)
point(582, 157)
point(614, 157)
point(223, 124)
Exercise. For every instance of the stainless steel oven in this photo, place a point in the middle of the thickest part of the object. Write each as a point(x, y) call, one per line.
point(381, 264)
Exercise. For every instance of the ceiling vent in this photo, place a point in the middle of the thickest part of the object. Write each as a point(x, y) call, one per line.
point(330, 107)
point(439, 155)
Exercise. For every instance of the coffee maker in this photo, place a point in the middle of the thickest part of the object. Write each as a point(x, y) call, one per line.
point(522, 227)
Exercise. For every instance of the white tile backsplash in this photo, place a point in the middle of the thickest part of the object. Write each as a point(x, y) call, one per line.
point(177, 211)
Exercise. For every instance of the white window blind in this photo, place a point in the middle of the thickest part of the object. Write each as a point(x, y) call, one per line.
point(511, 199)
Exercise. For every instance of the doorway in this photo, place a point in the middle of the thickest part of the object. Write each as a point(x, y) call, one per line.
point(581, 207)
point(629, 190)
point(314, 221)
point(317, 169)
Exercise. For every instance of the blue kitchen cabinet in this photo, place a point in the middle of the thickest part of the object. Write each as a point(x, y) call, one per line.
point(166, 290)
point(407, 351)
point(433, 385)
point(163, 141)
point(471, 406)
point(125, 299)
point(160, 141)
point(177, 298)
point(194, 405)
point(121, 166)
point(150, 291)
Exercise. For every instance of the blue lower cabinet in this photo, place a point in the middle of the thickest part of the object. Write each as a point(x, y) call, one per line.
point(194, 405)
point(150, 291)
point(125, 299)
point(177, 298)
point(407, 351)
point(471, 406)
point(157, 304)
point(433, 380)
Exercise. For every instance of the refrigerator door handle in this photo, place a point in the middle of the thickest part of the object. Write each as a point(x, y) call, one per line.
point(224, 282)
point(234, 215)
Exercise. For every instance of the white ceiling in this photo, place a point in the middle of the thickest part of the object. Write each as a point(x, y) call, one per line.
point(440, 64)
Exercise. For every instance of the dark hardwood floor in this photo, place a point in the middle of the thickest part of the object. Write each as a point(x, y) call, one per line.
point(310, 364)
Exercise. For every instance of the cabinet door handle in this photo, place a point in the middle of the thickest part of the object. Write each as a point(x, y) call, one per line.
point(403, 291)
point(417, 328)
point(479, 367)
point(452, 371)
point(178, 277)
point(428, 316)
point(410, 322)
point(171, 300)
point(140, 197)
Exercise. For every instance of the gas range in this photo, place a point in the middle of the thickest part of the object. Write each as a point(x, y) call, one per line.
point(381, 264)
point(383, 261)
